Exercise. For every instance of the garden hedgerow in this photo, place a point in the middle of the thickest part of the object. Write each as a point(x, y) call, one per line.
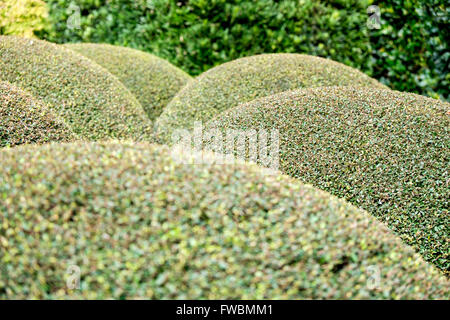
point(246, 79)
point(24, 119)
point(152, 80)
point(384, 151)
point(93, 102)
point(140, 222)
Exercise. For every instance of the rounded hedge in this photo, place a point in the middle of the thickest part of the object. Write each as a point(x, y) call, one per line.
point(24, 119)
point(140, 222)
point(94, 103)
point(152, 80)
point(246, 79)
point(384, 151)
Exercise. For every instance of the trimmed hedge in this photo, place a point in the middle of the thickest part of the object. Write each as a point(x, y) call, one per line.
point(384, 151)
point(248, 78)
point(152, 80)
point(24, 119)
point(90, 100)
point(140, 223)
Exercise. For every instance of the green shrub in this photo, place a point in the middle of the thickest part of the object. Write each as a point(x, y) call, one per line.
point(152, 80)
point(245, 79)
point(89, 99)
point(24, 119)
point(411, 48)
point(384, 151)
point(22, 17)
point(409, 52)
point(197, 35)
point(142, 223)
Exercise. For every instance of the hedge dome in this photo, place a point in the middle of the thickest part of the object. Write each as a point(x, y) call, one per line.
point(152, 80)
point(24, 119)
point(246, 79)
point(140, 223)
point(90, 100)
point(384, 151)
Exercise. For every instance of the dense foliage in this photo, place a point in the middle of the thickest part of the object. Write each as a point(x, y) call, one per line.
point(409, 52)
point(246, 79)
point(22, 17)
point(146, 221)
point(140, 223)
point(152, 80)
point(86, 96)
point(382, 150)
point(198, 34)
point(25, 119)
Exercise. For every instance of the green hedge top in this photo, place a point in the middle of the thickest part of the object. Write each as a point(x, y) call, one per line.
point(384, 151)
point(90, 100)
point(140, 222)
point(152, 80)
point(245, 79)
point(24, 119)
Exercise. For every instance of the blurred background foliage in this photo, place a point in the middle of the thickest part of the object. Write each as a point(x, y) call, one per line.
point(408, 53)
point(22, 17)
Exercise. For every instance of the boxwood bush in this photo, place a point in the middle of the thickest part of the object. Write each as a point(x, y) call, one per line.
point(94, 103)
point(152, 80)
point(384, 151)
point(140, 222)
point(248, 78)
point(24, 119)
